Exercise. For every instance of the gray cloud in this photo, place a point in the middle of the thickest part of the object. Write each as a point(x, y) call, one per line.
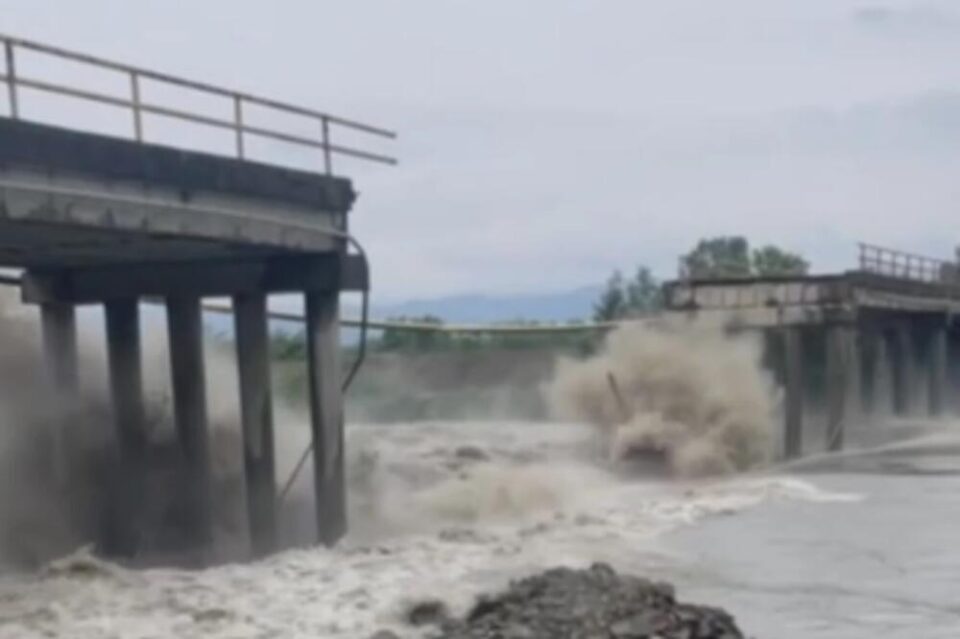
point(919, 20)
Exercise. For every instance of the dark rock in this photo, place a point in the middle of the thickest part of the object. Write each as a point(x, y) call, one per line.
point(473, 453)
point(431, 612)
point(596, 602)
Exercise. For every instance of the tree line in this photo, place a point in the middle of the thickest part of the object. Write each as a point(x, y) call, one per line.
point(723, 257)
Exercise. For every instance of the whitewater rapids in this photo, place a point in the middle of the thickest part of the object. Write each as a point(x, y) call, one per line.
point(439, 510)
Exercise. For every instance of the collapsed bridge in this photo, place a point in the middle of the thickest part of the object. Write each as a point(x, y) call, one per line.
point(95, 219)
point(883, 339)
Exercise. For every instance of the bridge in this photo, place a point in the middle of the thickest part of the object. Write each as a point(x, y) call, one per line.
point(96, 219)
point(883, 339)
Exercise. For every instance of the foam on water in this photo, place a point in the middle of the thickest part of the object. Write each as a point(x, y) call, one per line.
point(449, 525)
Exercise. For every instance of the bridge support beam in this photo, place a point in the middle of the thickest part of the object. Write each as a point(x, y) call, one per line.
point(793, 392)
point(326, 413)
point(59, 329)
point(842, 381)
point(190, 411)
point(129, 417)
point(256, 412)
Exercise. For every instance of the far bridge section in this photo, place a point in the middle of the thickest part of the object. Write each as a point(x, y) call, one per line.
point(878, 341)
point(105, 220)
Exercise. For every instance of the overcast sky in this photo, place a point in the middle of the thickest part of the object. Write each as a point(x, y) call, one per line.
point(544, 143)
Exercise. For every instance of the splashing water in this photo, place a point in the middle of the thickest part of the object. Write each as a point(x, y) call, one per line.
point(685, 391)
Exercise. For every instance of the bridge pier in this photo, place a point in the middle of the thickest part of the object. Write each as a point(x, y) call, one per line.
point(256, 413)
point(952, 398)
point(904, 369)
point(842, 383)
point(793, 400)
point(129, 416)
point(126, 375)
point(878, 372)
point(59, 330)
point(185, 328)
point(326, 414)
point(937, 369)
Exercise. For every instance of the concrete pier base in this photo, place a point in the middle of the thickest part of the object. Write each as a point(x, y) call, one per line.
point(190, 411)
point(126, 394)
point(59, 329)
point(256, 411)
point(793, 392)
point(326, 414)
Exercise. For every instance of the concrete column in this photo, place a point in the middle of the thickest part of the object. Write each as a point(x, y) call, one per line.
point(952, 398)
point(326, 413)
point(937, 362)
point(256, 412)
point(126, 394)
point(793, 392)
point(904, 374)
point(842, 377)
point(883, 377)
point(190, 409)
point(876, 384)
point(59, 328)
point(126, 381)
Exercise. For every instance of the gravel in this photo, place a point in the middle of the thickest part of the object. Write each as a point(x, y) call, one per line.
point(595, 603)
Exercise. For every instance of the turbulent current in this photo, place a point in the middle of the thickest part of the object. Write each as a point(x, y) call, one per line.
point(851, 545)
point(448, 510)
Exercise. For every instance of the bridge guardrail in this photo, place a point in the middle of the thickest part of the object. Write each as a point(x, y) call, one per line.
point(138, 107)
point(909, 266)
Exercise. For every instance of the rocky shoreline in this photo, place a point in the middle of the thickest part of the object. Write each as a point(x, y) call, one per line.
point(594, 603)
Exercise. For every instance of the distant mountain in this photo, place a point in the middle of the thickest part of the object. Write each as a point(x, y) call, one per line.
point(543, 307)
point(480, 309)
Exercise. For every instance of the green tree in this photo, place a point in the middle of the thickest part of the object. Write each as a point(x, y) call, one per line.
point(644, 293)
point(716, 258)
point(772, 260)
point(730, 256)
point(612, 303)
point(625, 298)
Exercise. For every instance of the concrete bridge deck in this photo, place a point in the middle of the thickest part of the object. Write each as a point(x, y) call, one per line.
point(105, 220)
point(871, 342)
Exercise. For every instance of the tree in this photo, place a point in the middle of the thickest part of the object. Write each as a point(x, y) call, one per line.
point(730, 256)
point(716, 258)
point(612, 302)
point(772, 260)
point(644, 293)
point(623, 298)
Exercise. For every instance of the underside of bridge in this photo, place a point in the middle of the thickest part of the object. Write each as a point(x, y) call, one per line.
point(98, 220)
point(842, 347)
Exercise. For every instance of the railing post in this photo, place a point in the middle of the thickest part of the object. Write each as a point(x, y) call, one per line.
point(327, 155)
point(238, 121)
point(11, 80)
point(135, 98)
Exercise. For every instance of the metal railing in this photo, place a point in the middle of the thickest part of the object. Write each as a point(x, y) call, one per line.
point(894, 263)
point(324, 122)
